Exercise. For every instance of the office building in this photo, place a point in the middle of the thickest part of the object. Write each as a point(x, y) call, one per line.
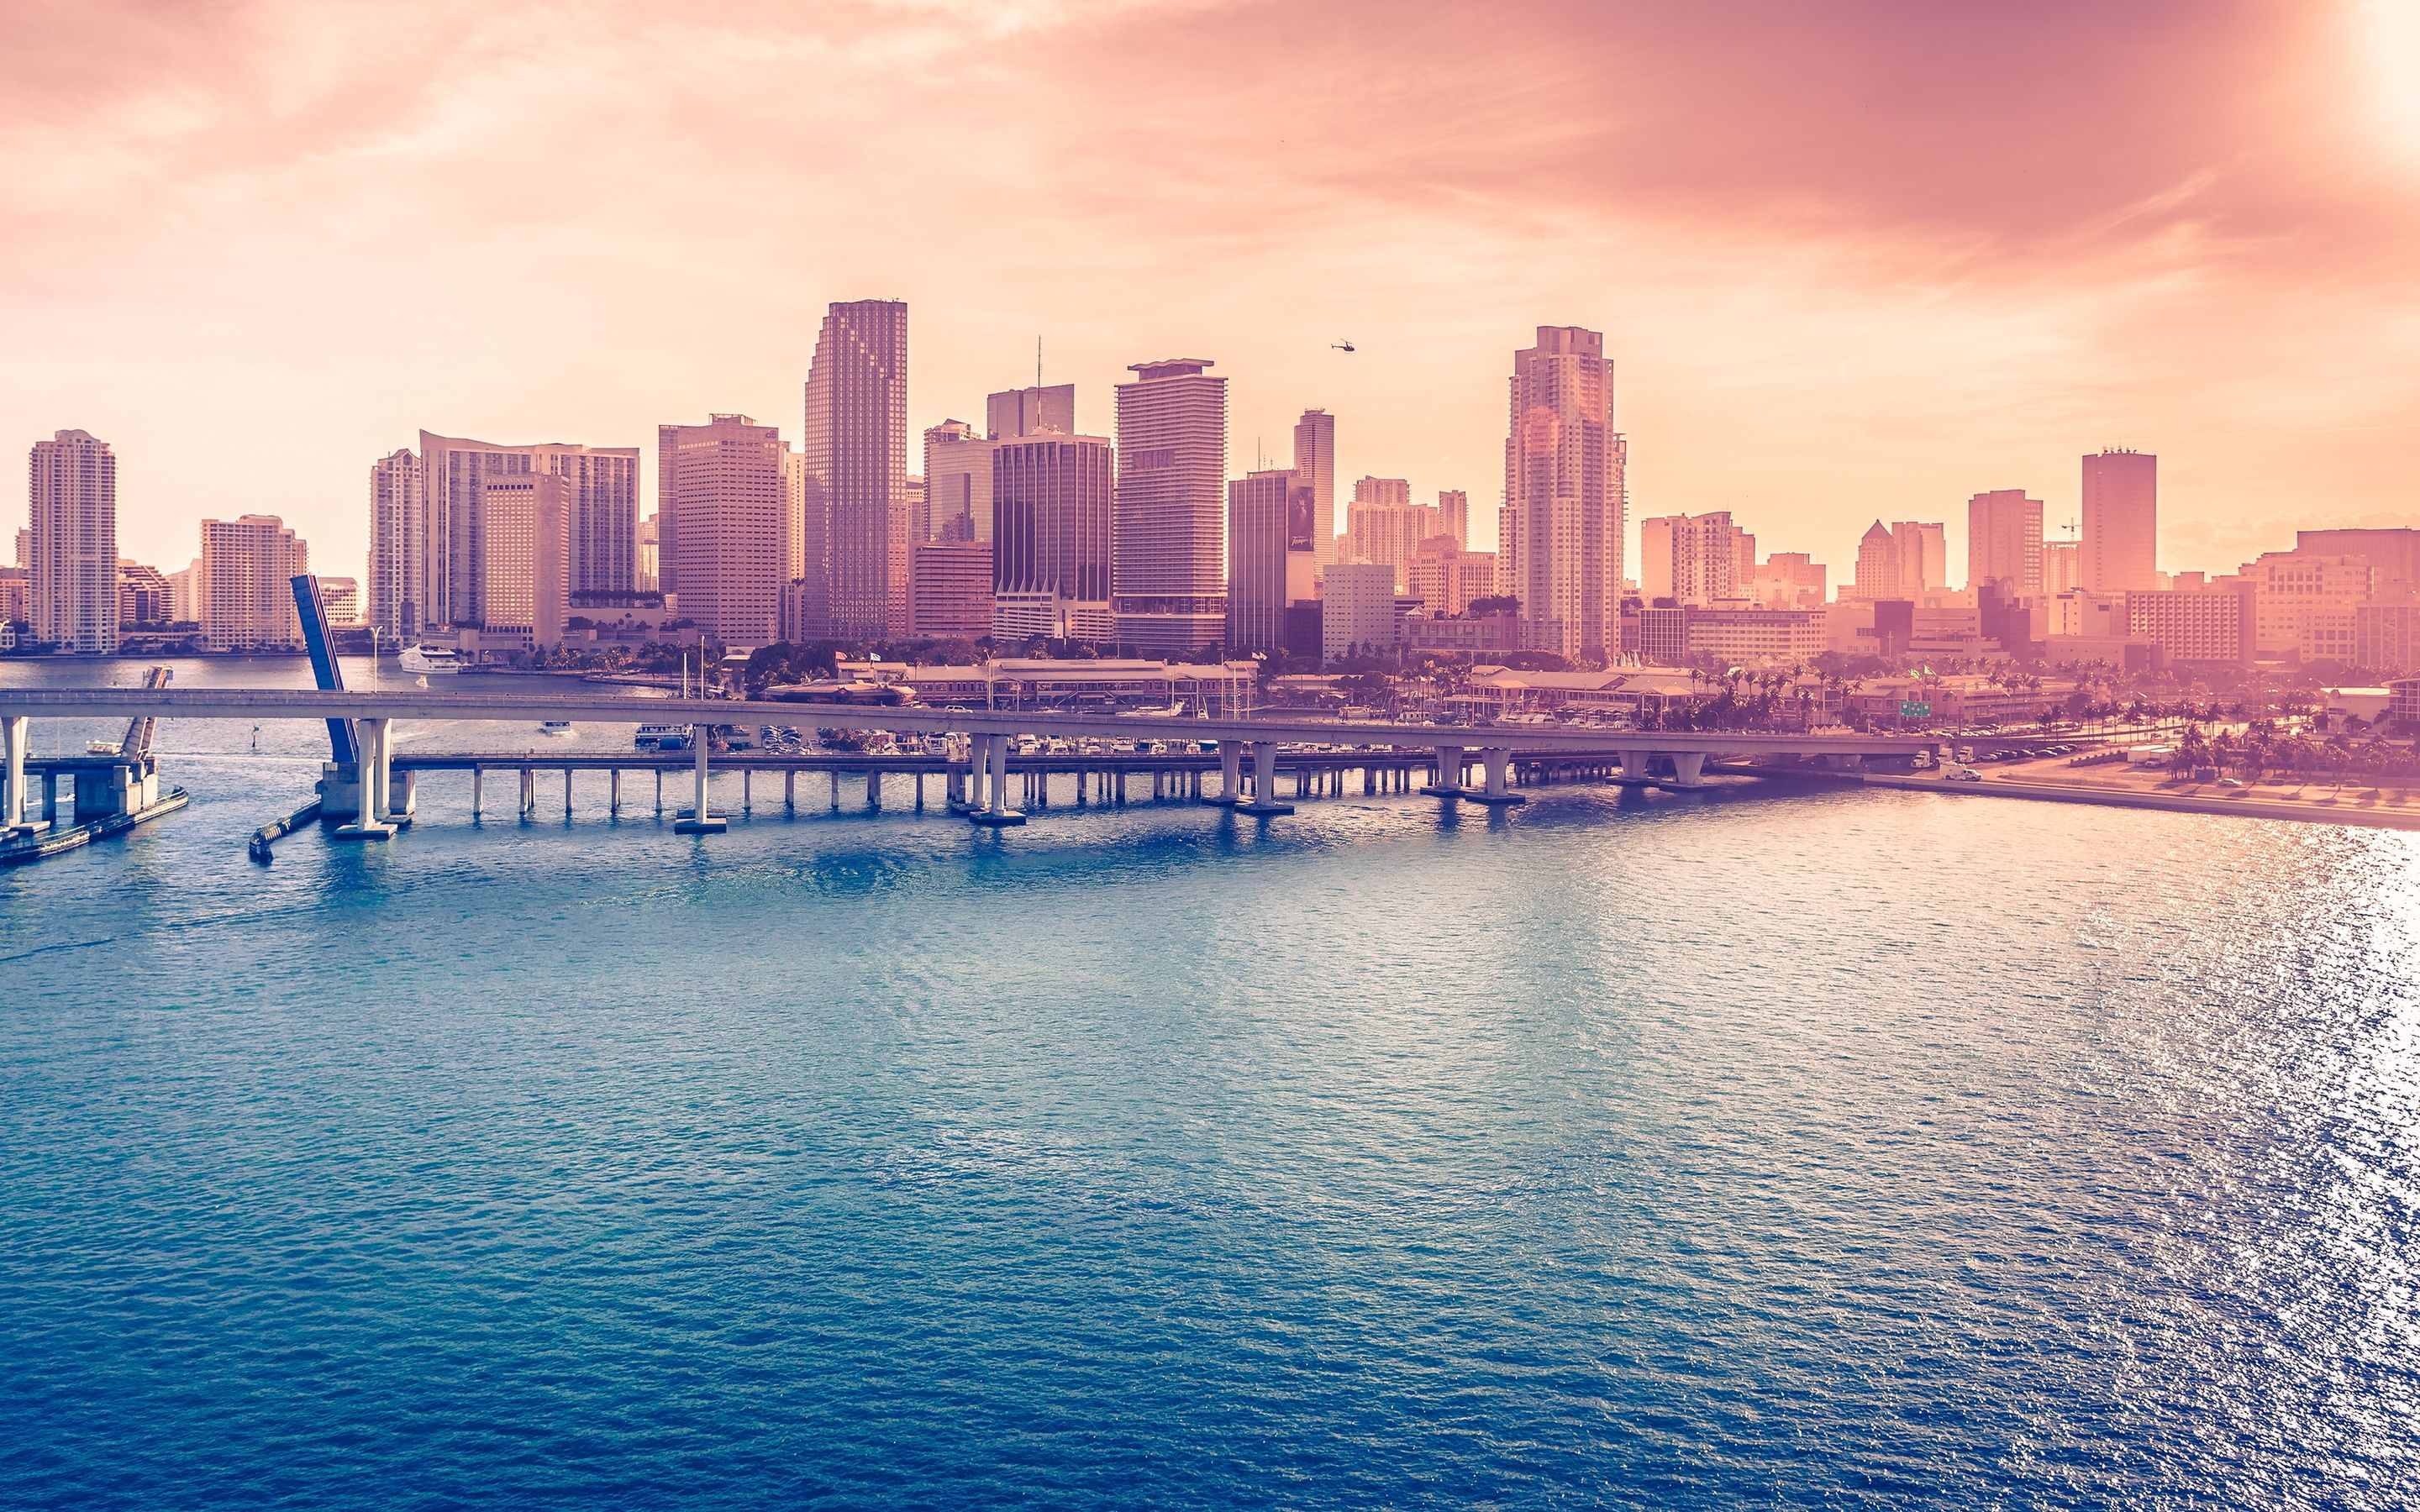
point(1170, 576)
point(243, 584)
point(1357, 615)
point(1923, 557)
point(2122, 521)
point(400, 538)
point(1272, 556)
point(950, 589)
point(1565, 499)
point(1014, 412)
point(71, 544)
point(958, 481)
point(648, 577)
point(525, 539)
point(1878, 567)
point(2298, 593)
point(2004, 541)
point(602, 485)
point(853, 447)
point(2393, 552)
point(723, 512)
point(1054, 504)
point(1314, 458)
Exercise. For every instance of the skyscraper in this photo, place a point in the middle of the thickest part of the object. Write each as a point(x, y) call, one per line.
point(525, 536)
point(1880, 566)
point(1314, 458)
point(855, 447)
point(1923, 557)
point(243, 584)
point(2004, 539)
point(71, 548)
point(1013, 413)
point(1170, 578)
point(1454, 517)
point(604, 517)
point(1693, 559)
point(2122, 522)
point(723, 512)
point(1272, 558)
point(1053, 501)
point(399, 538)
point(1564, 497)
point(958, 481)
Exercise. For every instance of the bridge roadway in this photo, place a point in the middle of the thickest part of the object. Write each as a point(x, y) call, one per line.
point(991, 735)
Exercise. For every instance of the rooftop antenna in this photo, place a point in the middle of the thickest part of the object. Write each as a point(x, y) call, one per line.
point(1037, 358)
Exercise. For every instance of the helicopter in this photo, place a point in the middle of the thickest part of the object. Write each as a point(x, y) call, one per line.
point(1339, 345)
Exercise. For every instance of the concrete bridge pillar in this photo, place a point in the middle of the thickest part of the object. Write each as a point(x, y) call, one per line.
point(1633, 766)
point(370, 757)
point(1264, 782)
point(873, 789)
point(614, 793)
point(701, 820)
point(1449, 773)
point(1689, 769)
point(16, 732)
point(529, 793)
point(1496, 764)
point(995, 811)
point(1231, 772)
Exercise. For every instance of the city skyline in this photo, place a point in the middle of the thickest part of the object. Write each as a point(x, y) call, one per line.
point(1860, 308)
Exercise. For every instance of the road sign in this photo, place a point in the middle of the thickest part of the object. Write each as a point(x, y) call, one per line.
point(1916, 709)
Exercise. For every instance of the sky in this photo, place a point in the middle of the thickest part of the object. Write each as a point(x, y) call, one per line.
point(1855, 258)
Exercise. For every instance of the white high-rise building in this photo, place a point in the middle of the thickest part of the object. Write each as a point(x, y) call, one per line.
point(526, 536)
point(1314, 462)
point(243, 584)
point(723, 512)
point(1170, 578)
point(2122, 522)
point(71, 543)
point(855, 450)
point(1564, 495)
point(399, 536)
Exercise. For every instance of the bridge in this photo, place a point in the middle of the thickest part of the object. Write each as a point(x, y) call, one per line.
point(361, 786)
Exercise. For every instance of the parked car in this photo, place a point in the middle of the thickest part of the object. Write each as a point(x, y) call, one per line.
point(1962, 774)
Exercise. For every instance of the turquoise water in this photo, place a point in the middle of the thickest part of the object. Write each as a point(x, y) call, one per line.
point(1843, 1150)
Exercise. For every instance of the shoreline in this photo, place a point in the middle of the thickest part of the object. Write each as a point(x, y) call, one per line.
point(2309, 811)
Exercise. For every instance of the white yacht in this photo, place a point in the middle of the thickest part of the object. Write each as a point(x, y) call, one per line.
point(426, 659)
point(557, 727)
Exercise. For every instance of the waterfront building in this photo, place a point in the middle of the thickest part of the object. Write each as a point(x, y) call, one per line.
point(1734, 637)
point(1560, 551)
point(853, 447)
point(723, 510)
point(950, 589)
point(1314, 458)
point(1272, 556)
point(71, 544)
point(2004, 540)
point(400, 538)
point(243, 584)
point(16, 597)
point(1170, 577)
point(603, 491)
point(2120, 544)
point(1053, 508)
point(2306, 597)
point(1694, 559)
point(1358, 611)
point(142, 594)
point(525, 538)
point(2211, 625)
point(341, 597)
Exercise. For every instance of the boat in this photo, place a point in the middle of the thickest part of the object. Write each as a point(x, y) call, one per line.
point(101, 748)
point(662, 737)
point(557, 727)
point(426, 659)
